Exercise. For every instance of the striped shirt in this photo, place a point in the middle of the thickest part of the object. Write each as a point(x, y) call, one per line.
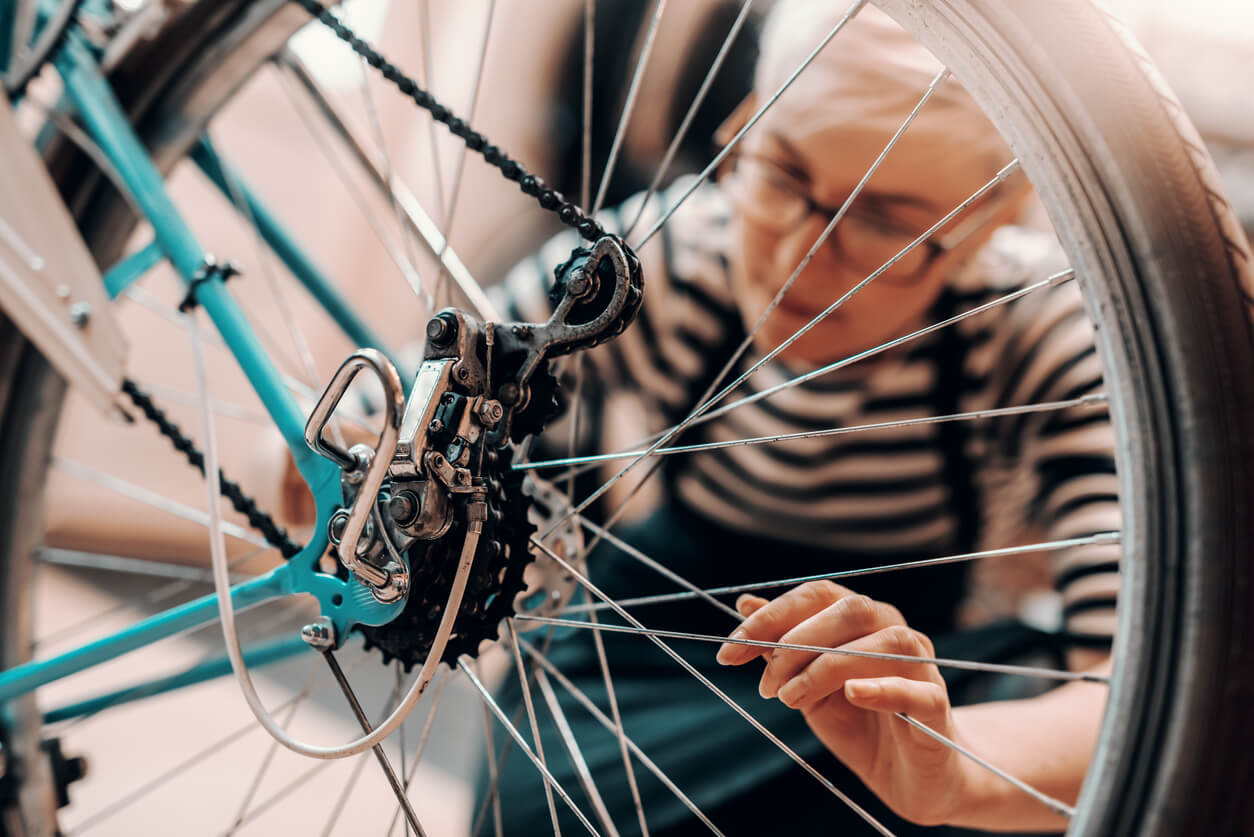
point(890, 490)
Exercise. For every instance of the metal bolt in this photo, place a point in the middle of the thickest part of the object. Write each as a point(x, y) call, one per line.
point(335, 529)
point(522, 332)
point(80, 313)
point(320, 635)
point(403, 507)
point(463, 373)
point(578, 286)
point(442, 329)
point(490, 413)
point(436, 426)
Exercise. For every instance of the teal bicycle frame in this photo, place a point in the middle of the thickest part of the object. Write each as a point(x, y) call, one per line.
point(345, 603)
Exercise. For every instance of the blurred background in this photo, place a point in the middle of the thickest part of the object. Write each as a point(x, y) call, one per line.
point(527, 97)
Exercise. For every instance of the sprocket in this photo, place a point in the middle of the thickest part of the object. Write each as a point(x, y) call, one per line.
point(495, 581)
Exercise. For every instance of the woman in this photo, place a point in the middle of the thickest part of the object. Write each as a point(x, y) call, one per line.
point(830, 503)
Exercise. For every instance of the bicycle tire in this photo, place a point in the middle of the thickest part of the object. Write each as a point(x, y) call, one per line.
point(1140, 204)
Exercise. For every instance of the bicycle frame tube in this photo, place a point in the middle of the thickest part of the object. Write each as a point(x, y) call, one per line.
point(345, 602)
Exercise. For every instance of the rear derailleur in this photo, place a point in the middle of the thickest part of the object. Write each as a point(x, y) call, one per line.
point(444, 456)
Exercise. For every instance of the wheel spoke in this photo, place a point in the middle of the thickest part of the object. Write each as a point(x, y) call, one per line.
point(585, 152)
point(1048, 801)
point(612, 696)
point(1091, 400)
point(657, 635)
point(524, 682)
point(195, 760)
point(655, 638)
point(673, 148)
point(412, 768)
point(596, 712)
point(417, 218)
point(456, 187)
point(694, 591)
point(571, 745)
point(154, 499)
point(660, 598)
point(496, 710)
point(753, 120)
point(659, 7)
point(379, 754)
point(705, 404)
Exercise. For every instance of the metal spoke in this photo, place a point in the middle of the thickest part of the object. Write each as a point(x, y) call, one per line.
point(585, 154)
point(706, 404)
point(655, 638)
point(428, 78)
point(612, 696)
point(153, 499)
point(412, 769)
point(523, 681)
point(296, 69)
point(221, 408)
point(727, 149)
point(389, 174)
point(633, 90)
point(285, 311)
point(271, 751)
point(417, 218)
point(656, 635)
point(380, 755)
point(596, 712)
point(193, 761)
point(1045, 546)
point(571, 745)
point(494, 769)
point(694, 591)
point(682, 132)
point(1048, 801)
point(456, 187)
point(1093, 399)
point(347, 790)
point(518, 739)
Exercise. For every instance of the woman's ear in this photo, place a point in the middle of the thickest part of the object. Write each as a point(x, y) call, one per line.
point(735, 122)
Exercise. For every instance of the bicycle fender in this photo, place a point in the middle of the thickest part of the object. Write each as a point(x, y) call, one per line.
point(49, 285)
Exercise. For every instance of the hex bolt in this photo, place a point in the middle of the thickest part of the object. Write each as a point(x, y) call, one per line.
point(80, 313)
point(462, 373)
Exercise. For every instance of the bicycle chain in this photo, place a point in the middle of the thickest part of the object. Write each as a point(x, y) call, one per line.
point(550, 200)
point(274, 534)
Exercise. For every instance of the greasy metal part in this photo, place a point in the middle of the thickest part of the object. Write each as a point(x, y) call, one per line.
point(48, 280)
point(319, 634)
point(550, 586)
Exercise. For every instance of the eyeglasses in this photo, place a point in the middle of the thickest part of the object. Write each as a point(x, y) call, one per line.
point(770, 197)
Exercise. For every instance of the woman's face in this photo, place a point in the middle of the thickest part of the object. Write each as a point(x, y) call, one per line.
point(821, 169)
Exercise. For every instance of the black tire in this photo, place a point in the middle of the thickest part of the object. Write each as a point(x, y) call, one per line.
point(1138, 207)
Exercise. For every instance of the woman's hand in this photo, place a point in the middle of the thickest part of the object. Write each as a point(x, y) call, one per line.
point(850, 702)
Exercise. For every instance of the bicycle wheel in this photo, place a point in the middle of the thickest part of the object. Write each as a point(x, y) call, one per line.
point(1165, 272)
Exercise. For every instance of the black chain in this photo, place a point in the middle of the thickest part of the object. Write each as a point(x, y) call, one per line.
point(549, 199)
point(274, 534)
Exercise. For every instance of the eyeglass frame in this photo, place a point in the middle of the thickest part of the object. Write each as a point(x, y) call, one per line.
point(937, 246)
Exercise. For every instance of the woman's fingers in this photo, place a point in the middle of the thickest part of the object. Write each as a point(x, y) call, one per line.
point(775, 618)
point(843, 621)
point(925, 701)
point(828, 673)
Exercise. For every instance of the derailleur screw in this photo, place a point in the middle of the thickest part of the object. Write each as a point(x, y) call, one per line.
point(441, 330)
point(436, 426)
point(403, 507)
point(490, 413)
point(335, 529)
point(319, 635)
